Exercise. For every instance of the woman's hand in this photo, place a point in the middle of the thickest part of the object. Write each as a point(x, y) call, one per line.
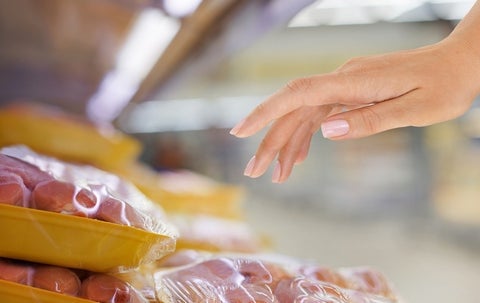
point(365, 96)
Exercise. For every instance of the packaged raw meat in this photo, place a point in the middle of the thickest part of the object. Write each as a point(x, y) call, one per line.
point(33, 282)
point(195, 277)
point(187, 192)
point(215, 234)
point(76, 215)
point(52, 131)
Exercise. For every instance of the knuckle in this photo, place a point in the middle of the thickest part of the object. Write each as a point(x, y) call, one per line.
point(260, 109)
point(371, 120)
point(299, 85)
point(269, 146)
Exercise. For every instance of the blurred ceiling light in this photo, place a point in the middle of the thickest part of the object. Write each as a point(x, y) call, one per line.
point(393, 9)
point(186, 114)
point(336, 12)
point(147, 40)
point(180, 8)
point(451, 9)
point(166, 115)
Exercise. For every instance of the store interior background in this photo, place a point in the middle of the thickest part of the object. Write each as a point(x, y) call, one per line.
point(406, 201)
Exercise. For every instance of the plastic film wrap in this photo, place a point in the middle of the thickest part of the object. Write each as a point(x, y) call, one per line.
point(76, 215)
point(215, 234)
point(184, 191)
point(33, 282)
point(191, 277)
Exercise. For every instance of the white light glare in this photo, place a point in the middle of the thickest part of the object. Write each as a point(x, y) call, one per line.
point(147, 40)
point(335, 12)
point(187, 114)
point(180, 8)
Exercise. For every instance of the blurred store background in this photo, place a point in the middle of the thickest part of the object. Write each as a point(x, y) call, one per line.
point(177, 75)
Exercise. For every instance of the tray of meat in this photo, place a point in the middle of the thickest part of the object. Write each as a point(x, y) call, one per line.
point(23, 282)
point(189, 276)
point(76, 216)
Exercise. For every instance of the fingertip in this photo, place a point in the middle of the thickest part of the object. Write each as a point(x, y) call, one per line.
point(299, 160)
point(277, 173)
point(250, 167)
point(235, 131)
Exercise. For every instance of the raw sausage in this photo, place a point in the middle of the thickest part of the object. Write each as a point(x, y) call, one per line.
point(365, 279)
point(63, 197)
point(301, 289)
point(116, 211)
point(108, 289)
point(18, 273)
point(56, 279)
point(253, 271)
point(179, 258)
point(206, 280)
point(324, 274)
point(249, 293)
point(277, 272)
point(12, 189)
point(30, 174)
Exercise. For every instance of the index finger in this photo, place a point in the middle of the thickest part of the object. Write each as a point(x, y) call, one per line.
point(317, 90)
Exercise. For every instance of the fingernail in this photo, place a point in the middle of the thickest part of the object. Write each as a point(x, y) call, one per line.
point(249, 168)
point(335, 128)
point(237, 127)
point(277, 171)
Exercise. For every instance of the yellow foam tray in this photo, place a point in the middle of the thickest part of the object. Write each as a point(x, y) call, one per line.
point(18, 293)
point(76, 242)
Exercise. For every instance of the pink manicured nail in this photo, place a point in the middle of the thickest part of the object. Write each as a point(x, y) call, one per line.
point(249, 168)
point(277, 172)
point(236, 128)
point(335, 128)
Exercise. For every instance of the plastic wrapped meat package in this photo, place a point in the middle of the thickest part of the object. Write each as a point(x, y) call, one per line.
point(76, 216)
point(26, 282)
point(189, 276)
point(184, 191)
point(216, 234)
point(52, 131)
point(207, 214)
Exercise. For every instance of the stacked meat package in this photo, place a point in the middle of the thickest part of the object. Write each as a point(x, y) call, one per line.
point(82, 220)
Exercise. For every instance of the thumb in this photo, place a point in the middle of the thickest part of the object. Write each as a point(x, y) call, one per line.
point(368, 120)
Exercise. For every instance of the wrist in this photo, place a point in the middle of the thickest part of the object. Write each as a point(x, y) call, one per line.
point(464, 54)
point(465, 39)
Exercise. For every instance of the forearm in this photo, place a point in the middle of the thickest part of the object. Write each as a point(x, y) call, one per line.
point(469, 28)
point(467, 36)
